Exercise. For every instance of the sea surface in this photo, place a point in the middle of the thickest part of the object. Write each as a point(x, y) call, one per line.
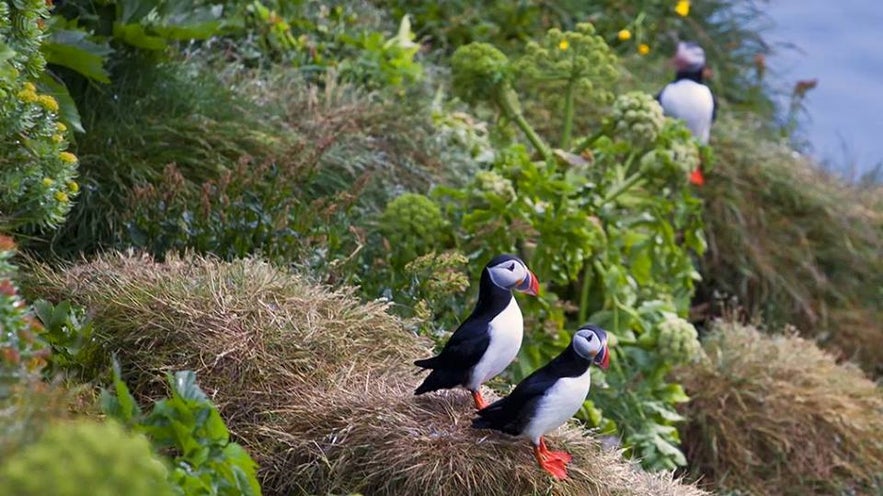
point(841, 44)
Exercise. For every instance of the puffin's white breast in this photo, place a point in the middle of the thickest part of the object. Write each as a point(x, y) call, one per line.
point(506, 331)
point(692, 103)
point(560, 402)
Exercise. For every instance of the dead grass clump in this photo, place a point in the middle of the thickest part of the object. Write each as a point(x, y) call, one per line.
point(370, 434)
point(793, 243)
point(244, 326)
point(776, 415)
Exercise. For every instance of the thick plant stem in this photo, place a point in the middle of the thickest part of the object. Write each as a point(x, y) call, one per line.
point(506, 103)
point(584, 293)
point(622, 187)
point(568, 115)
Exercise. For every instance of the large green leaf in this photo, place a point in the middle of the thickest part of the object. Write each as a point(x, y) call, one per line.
point(67, 109)
point(71, 49)
point(135, 35)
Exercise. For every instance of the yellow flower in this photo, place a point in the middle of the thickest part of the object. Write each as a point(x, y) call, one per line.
point(564, 45)
point(61, 196)
point(60, 127)
point(47, 181)
point(624, 35)
point(28, 86)
point(57, 138)
point(73, 186)
point(643, 49)
point(67, 157)
point(26, 95)
point(48, 103)
point(683, 8)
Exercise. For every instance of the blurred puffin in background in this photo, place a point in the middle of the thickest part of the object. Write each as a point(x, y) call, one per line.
point(688, 98)
point(547, 398)
point(489, 339)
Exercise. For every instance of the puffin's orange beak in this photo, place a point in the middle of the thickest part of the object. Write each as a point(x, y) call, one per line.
point(605, 360)
point(530, 284)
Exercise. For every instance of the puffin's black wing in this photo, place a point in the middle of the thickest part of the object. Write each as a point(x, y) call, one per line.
point(462, 351)
point(512, 413)
point(713, 108)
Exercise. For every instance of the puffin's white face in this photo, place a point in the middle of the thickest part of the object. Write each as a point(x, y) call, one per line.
point(511, 273)
point(590, 342)
point(689, 56)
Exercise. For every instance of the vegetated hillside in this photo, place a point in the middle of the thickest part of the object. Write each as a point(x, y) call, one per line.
point(316, 385)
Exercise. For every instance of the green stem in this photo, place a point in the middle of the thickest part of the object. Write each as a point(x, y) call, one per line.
point(587, 142)
point(512, 112)
point(568, 114)
point(622, 187)
point(584, 293)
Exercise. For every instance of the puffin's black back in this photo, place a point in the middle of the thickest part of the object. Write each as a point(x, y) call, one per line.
point(512, 413)
point(469, 342)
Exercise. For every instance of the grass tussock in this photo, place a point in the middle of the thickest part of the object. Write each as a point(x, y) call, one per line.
point(316, 385)
point(794, 244)
point(229, 322)
point(778, 416)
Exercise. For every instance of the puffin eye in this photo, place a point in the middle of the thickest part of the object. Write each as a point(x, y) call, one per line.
point(589, 337)
point(511, 267)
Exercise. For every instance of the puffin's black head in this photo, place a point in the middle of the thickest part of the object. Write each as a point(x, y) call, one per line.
point(590, 342)
point(509, 272)
point(689, 57)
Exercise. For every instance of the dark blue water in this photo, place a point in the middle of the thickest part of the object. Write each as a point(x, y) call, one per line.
point(840, 43)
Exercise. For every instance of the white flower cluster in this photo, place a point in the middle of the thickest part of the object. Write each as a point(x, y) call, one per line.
point(638, 118)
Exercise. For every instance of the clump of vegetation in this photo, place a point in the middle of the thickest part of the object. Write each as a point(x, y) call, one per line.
point(412, 225)
point(426, 445)
point(307, 378)
point(37, 184)
point(205, 460)
point(776, 415)
point(73, 457)
point(792, 244)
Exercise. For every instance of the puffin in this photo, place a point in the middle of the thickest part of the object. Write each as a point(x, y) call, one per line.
point(687, 97)
point(489, 339)
point(547, 398)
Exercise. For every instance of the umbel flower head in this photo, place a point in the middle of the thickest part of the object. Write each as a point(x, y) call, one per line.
point(637, 118)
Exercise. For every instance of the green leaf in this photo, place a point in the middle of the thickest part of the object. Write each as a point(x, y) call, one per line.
point(184, 385)
point(672, 393)
point(135, 35)
point(71, 49)
point(121, 406)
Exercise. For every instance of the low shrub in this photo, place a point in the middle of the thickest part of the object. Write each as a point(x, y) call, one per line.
point(36, 172)
point(72, 458)
point(776, 415)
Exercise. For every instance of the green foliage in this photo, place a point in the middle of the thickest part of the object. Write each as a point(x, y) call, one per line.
point(68, 332)
point(37, 179)
point(610, 232)
point(23, 352)
point(577, 65)
point(71, 459)
point(205, 461)
point(252, 209)
point(481, 73)
point(412, 225)
point(317, 38)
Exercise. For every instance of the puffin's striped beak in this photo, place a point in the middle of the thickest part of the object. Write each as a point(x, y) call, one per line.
point(530, 284)
point(605, 358)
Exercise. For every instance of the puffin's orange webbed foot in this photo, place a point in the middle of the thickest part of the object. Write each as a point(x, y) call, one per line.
point(551, 461)
point(479, 400)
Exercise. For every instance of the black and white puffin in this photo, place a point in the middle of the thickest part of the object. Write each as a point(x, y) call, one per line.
point(489, 339)
point(687, 97)
point(547, 398)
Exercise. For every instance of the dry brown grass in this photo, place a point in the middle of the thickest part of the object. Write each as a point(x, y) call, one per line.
point(796, 245)
point(777, 415)
point(318, 386)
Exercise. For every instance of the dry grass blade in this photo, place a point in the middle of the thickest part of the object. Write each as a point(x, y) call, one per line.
point(777, 415)
point(318, 386)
